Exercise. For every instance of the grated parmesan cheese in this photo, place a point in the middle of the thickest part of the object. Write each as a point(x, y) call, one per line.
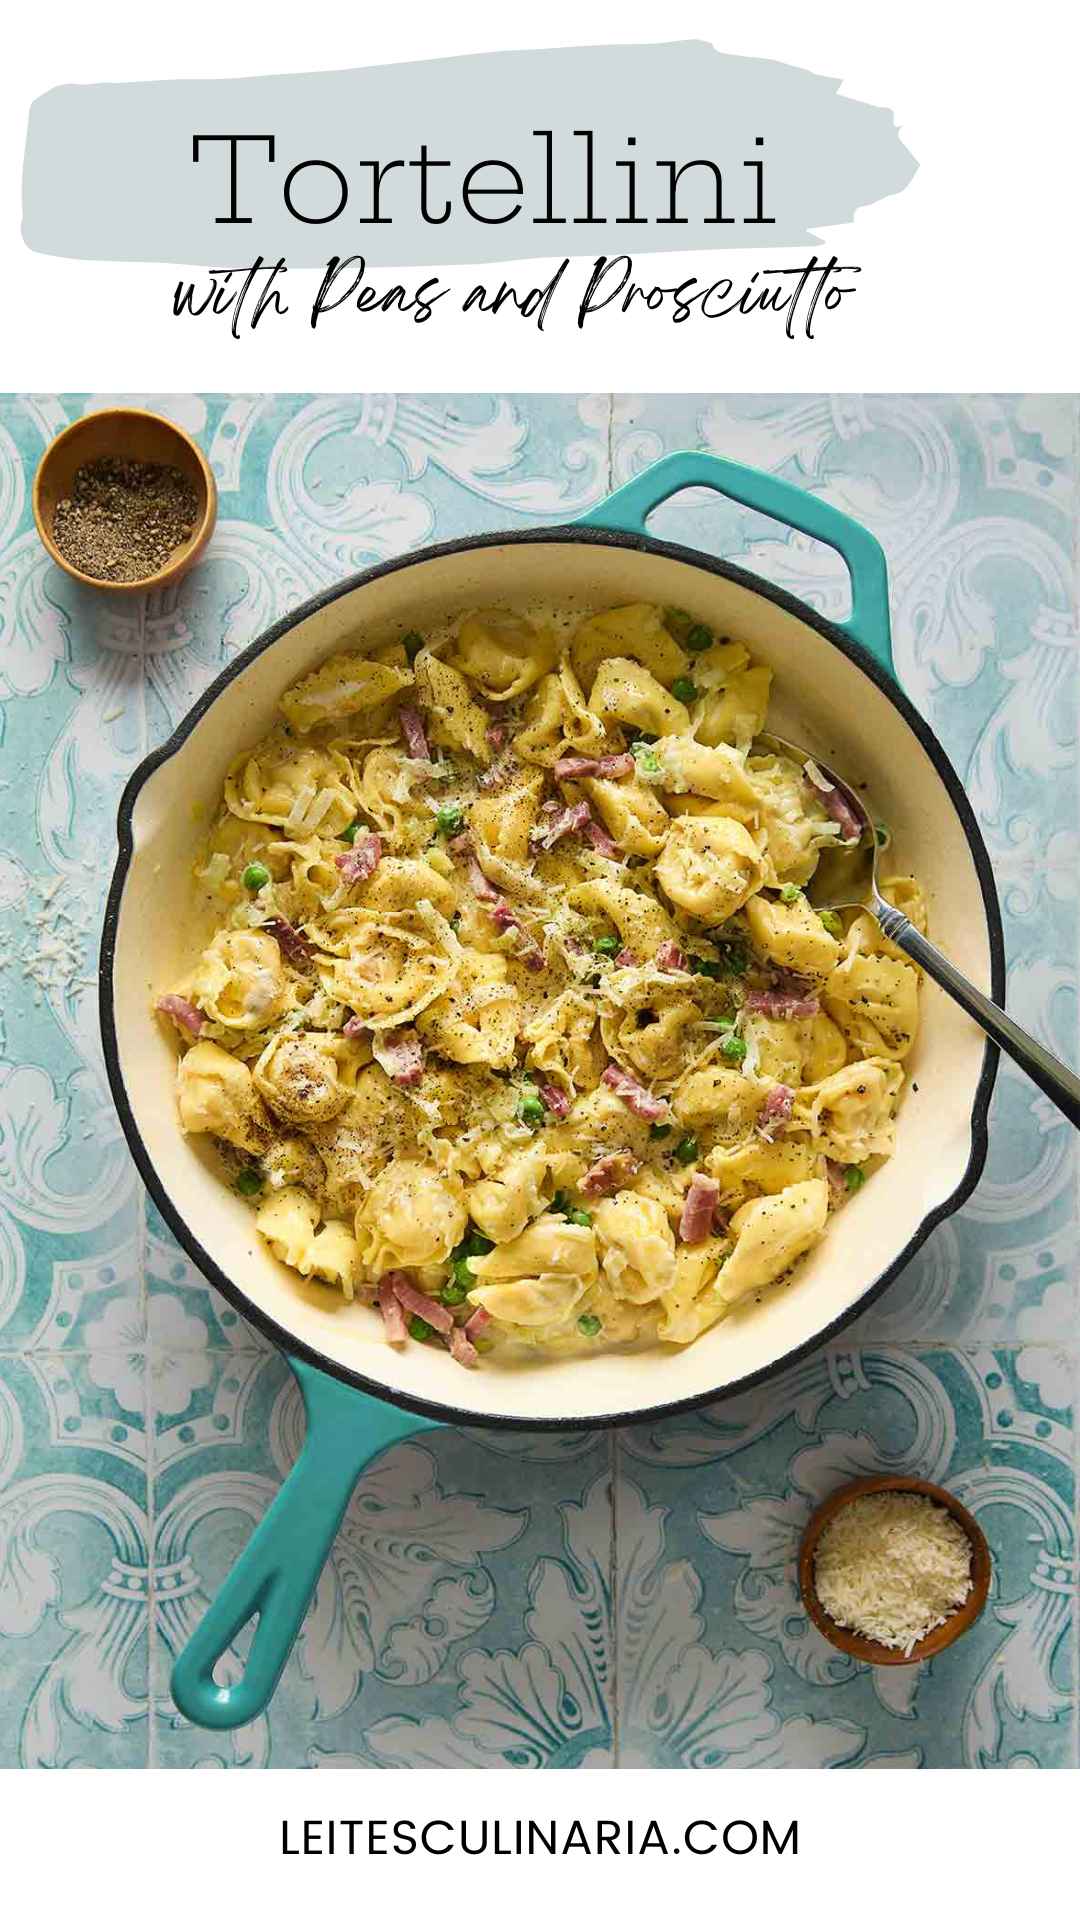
point(892, 1566)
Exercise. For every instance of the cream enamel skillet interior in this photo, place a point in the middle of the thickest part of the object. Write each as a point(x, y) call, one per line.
point(833, 690)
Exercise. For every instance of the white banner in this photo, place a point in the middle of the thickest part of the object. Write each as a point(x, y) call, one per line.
point(463, 1843)
point(966, 277)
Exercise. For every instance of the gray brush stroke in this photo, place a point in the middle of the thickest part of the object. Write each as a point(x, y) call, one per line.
point(108, 170)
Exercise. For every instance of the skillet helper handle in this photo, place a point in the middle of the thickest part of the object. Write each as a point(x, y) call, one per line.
point(1050, 1075)
point(627, 509)
point(279, 1568)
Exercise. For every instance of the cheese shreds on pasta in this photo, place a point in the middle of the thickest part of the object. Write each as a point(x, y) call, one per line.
point(511, 956)
point(892, 1566)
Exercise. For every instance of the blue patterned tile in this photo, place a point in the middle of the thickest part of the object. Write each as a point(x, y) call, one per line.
point(493, 1616)
point(74, 1562)
point(720, 1503)
point(463, 1618)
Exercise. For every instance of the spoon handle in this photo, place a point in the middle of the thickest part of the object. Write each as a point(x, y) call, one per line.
point(1050, 1074)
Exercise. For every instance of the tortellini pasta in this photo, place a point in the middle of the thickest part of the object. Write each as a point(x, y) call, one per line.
point(412, 1217)
point(709, 867)
point(302, 790)
point(770, 1234)
point(216, 1094)
point(515, 1020)
point(792, 934)
point(875, 999)
point(240, 980)
point(502, 654)
point(637, 1246)
point(625, 692)
point(345, 684)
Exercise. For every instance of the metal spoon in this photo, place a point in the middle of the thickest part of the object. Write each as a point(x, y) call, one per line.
point(847, 877)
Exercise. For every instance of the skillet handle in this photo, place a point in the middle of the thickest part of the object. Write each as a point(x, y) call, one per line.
point(627, 509)
point(277, 1572)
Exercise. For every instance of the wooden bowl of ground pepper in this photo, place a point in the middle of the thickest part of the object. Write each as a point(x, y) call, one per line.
point(124, 499)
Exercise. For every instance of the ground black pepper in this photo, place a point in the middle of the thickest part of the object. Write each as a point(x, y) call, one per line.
point(123, 518)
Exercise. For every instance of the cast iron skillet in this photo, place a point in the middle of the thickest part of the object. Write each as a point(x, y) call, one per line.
point(354, 1415)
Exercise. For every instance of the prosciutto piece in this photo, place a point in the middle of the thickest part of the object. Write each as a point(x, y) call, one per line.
point(625, 958)
point(699, 1210)
point(411, 722)
point(599, 838)
point(647, 1106)
point(294, 945)
point(528, 952)
point(506, 920)
point(783, 1003)
point(424, 1307)
point(608, 766)
point(839, 808)
point(183, 1012)
point(556, 822)
point(777, 1110)
point(608, 1174)
point(362, 858)
point(483, 888)
point(390, 1308)
point(476, 1322)
point(670, 957)
point(554, 1098)
point(496, 736)
point(399, 1054)
point(462, 1349)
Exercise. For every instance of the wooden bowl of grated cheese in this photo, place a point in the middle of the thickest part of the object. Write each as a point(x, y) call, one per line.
point(893, 1569)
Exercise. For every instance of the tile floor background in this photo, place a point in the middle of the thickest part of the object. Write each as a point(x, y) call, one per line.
point(504, 1601)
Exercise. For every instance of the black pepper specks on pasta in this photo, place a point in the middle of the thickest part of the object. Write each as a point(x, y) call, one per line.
point(504, 1085)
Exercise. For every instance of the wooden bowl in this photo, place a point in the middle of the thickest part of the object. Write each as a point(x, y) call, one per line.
point(857, 1644)
point(124, 433)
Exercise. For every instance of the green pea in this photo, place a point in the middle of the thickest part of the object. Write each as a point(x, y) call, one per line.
point(350, 832)
point(608, 943)
point(684, 690)
point(255, 876)
point(419, 1329)
point(831, 922)
point(733, 1047)
point(881, 834)
point(531, 1110)
point(659, 1129)
point(687, 1150)
point(711, 969)
point(854, 1178)
point(642, 751)
point(449, 820)
point(412, 644)
point(789, 894)
point(589, 1324)
point(454, 1292)
point(578, 1217)
point(248, 1181)
point(699, 639)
